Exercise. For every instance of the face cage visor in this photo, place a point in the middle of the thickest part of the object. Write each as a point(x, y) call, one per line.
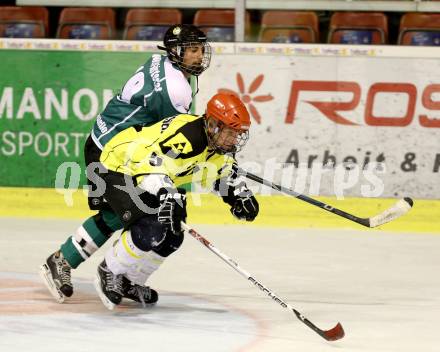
point(224, 139)
point(194, 69)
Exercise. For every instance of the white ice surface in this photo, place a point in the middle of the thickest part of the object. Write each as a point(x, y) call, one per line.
point(384, 288)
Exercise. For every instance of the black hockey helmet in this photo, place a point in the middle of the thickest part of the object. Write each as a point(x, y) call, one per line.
point(178, 38)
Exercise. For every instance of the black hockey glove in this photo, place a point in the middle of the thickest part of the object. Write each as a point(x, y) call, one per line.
point(245, 208)
point(243, 204)
point(172, 208)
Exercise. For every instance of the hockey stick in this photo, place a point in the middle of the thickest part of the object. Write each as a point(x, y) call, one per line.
point(333, 334)
point(397, 210)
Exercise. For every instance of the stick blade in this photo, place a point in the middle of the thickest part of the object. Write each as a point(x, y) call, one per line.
point(396, 211)
point(334, 334)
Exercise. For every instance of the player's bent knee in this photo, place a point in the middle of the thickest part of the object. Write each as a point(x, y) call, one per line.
point(147, 233)
point(170, 244)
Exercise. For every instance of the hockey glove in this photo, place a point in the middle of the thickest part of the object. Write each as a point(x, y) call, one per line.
point(243, 204)
point(245, 207)
point(172, 208)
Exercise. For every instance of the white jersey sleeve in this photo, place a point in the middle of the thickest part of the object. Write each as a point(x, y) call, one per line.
point(179, 89)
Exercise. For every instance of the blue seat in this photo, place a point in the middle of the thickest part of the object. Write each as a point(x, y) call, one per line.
point(150, 33)
point(286, 38)
point(425, 38)
point(20, 30)
point(84, 31)
point(355, 37)
point(220, 34)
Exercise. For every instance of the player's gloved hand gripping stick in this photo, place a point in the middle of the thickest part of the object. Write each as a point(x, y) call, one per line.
point(397, 210)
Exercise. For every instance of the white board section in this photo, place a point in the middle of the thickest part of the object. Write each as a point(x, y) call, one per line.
point(318, 111)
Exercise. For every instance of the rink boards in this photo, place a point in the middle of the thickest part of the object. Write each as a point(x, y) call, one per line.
point(275, 210)
point(296, 95)
point(358, 121)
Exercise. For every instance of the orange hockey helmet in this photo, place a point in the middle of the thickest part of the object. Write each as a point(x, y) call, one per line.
point(228, 123)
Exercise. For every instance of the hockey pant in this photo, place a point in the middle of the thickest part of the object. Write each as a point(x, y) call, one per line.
point(142, 249)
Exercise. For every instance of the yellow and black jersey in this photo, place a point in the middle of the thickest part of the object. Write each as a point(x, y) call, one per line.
point(176, 146)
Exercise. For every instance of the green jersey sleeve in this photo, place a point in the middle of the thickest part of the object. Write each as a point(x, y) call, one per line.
point(157, 90)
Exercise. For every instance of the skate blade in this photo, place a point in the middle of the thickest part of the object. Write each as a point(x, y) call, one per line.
point(46, 276)
point(107, 303)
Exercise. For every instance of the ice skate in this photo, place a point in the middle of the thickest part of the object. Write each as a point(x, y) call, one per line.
point(108, 286)
point(142, 294)
point(56, 275)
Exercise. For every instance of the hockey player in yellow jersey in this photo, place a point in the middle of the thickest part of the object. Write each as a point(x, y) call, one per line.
point(147, 165)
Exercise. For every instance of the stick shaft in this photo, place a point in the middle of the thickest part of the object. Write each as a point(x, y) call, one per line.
point(334, 334)
point(234, 265)
point(327, 207)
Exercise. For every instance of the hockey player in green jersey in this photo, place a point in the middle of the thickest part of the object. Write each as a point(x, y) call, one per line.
point(145, 168)
point(158, 89)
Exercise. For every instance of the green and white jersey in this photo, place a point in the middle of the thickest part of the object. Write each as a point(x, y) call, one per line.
point(157, 90)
